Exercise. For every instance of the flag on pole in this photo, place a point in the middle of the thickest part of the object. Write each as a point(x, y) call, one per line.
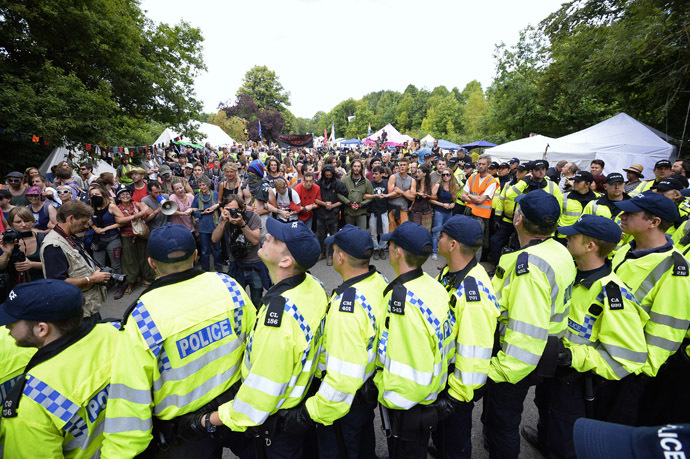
point(332, 139)
point(369, 131)
point(261, 137)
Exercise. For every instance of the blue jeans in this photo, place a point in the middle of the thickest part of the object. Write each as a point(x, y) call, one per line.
point(439, 219)
point(374, 232)
point(206, 246)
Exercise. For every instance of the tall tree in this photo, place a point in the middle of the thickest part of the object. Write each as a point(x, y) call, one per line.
point(86, 72)
point(262, 85)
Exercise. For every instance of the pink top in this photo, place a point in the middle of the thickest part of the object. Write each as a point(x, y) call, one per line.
point(184, 220)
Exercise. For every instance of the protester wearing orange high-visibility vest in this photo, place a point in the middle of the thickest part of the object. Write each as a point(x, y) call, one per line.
point(478, 193)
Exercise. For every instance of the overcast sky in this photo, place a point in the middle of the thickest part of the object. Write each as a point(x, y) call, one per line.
point(326, 51)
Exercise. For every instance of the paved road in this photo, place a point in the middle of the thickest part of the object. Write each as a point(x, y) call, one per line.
point(331, 280)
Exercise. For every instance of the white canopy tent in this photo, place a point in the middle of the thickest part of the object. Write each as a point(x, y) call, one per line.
point(60, 154)
point(209, 133)
point(393, 135)
point(621, 141)
point(426, 141)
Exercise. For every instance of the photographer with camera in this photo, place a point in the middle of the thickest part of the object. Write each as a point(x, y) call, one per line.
point(242, 228)
point(64, 258)
point(20, 246)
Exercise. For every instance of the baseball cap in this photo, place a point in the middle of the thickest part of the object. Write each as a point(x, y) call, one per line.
point(614, 177)
point(663, 163)
point(524, 167)
point(583, 176)
point(514, 160)
point(469, 165)
point(412, 237)
point(493, 165)
point(122, 190)
point(463, 229)
point(504, 166)
point(539, 207)
point(664, 185)
point(300, 240)
point(682, 179)
point(594, 226)
point(635, 169)
point(170, 238)
point(453, 161)
point(539, 163)
point(164, 169)
point(45, 300)
point(603, 440)
point(354, 241)
point(652, 202)
point(188, 165)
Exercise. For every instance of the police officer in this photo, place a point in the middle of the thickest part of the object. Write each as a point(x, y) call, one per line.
point(279, 363)
point(533, 286)
point(475, 308)
point(536, 181)
point(606, 205)
point(504, 210)
point(658, 276)
point(662, 170)
point(181, 349)
point(414, 345)
point(56, 407)
point(345, 402)
point(576, 200)
point(604, 345)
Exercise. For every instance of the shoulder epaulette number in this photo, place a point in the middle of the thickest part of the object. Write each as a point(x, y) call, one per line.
point(522, 264)
point(471, 289)
point(613, 293)
point(274, 313)
point(397, 303)
point(347, 302)
point(680, 265)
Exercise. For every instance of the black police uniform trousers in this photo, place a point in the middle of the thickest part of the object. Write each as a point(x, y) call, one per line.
point(499, 240)
point(561, 401)
point(503, 405)
point(181, 449)
point(281, 445)
point(453, 438)
point(666, 397)
point(357, 428)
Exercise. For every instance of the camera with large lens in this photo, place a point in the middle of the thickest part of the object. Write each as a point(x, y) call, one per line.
point(234, 213)
point(114, 277)
point(10, 236)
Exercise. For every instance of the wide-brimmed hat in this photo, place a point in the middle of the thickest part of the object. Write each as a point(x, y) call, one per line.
point(135, 170)
point(636, 169)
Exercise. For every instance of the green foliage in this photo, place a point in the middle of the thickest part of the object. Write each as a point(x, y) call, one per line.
point(262, 85)
point(234, 126)
point(93, 71)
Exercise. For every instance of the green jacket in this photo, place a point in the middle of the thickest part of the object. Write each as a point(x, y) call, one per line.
point(355, 194)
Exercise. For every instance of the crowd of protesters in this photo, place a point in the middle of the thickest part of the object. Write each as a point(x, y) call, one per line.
point(224, 197)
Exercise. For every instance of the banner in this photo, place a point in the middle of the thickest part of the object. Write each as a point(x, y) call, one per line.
point(296, 141)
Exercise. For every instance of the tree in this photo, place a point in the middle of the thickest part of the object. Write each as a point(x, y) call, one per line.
point(245, 108)
point(90, 71)
point(262, 85)
point(233, 126)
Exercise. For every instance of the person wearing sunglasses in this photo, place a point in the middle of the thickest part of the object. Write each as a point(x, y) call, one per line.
point(445, 191)
point(15, 180)
point(44, 216)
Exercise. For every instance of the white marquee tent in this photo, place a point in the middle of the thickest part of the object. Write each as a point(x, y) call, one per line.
point(427, 141)
point(620, 141)
point(60, 154)
point(393, 135)
point(209, 133)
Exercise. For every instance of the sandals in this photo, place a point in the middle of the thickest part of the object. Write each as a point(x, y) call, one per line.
point(129, 289)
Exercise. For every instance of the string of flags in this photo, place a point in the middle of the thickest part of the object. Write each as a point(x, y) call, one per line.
point(89, 147)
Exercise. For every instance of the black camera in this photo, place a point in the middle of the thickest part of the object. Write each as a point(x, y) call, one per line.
point(114, 277)
point(234, 213)
point(10, 236)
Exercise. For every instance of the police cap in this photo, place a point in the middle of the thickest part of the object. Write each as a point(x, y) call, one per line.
point(654, 203)
point(412, 237)
point(300, 240)
point(45, 300)
point(354, 241)
point(594, 226)
point(170, 238)
point(463, 229)
point(539, 207)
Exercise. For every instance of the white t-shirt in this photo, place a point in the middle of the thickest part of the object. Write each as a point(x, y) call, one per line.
point(490, 190)
point(283, 202)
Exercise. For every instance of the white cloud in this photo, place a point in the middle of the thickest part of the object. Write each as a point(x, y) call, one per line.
point(325, 51)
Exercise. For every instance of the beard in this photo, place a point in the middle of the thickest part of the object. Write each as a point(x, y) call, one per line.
point(30, 340)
